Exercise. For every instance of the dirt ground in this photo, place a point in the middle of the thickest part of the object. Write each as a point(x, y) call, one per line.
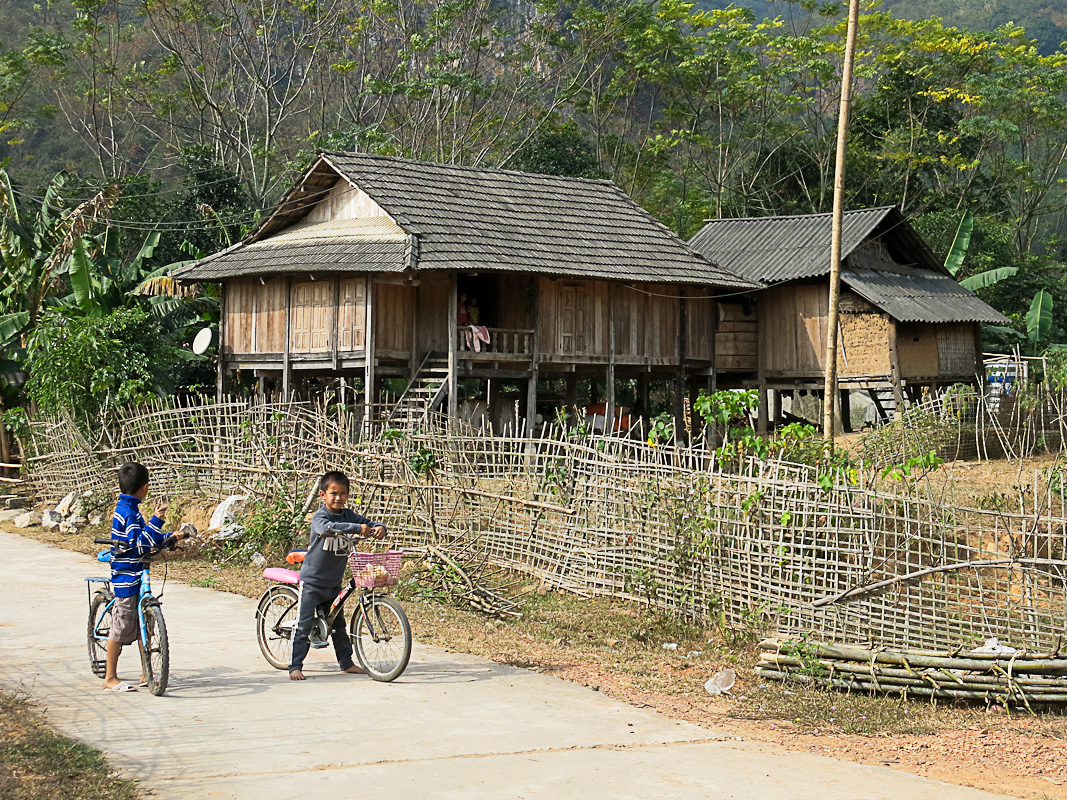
point(618, 648)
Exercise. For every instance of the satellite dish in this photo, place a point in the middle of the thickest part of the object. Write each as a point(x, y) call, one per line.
point(203, 341)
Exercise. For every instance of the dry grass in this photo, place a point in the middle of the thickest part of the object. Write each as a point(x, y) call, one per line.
point(36, 763)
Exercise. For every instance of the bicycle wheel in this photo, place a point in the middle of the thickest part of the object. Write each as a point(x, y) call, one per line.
point(99, 629)
point(155, 651)
point(383, 642)
point(276, 619)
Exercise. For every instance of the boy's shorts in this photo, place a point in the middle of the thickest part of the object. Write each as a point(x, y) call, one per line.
point(124, 624)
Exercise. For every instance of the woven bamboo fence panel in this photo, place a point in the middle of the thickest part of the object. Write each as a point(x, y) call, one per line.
point(763, 545)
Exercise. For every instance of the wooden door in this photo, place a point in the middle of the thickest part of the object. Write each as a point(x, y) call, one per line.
point(312, 312)
point(352, 316)
point(573, 312)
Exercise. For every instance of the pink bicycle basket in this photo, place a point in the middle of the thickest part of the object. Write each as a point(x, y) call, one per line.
point(371, 570)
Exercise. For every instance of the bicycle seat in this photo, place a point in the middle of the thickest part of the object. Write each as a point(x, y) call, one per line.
point(295, 556)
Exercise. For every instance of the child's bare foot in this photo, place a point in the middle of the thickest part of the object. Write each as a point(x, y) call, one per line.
point(356, 670)
point(297, 675)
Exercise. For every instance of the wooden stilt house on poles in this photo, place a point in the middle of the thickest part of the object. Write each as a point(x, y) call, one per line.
point(905, 323)
point(368, 266)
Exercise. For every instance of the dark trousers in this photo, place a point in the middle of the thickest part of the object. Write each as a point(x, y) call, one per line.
point(311, 597)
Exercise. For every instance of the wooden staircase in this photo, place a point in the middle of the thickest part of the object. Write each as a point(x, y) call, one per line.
point(424, 394)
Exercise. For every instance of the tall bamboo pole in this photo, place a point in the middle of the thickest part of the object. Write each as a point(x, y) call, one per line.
point(830, 385)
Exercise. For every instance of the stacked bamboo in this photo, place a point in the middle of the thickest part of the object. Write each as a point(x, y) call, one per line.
point(1018, 678)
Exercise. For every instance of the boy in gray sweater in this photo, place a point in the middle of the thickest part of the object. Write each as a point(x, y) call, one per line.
point(323, 570)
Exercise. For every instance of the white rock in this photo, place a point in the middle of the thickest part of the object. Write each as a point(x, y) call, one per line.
point(96, 519)
point(229, 533)
point(189, 529)
point(64, 505)
point(259, 561)
point(67, 528)
point(27, 520)
point(76, 519)
point(50, 519)
point(224, 511)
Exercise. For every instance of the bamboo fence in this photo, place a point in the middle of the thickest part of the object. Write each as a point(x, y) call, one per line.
point(760, 546)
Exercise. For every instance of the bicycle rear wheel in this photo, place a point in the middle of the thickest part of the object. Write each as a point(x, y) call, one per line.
point(276, 619)
point(382, 642)
point(155, 650)
point(99, 629)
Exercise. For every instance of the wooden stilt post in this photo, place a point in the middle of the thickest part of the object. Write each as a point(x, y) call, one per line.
point(286, 368)
point(609, 388)
point(369, 378)
point(531, 386)
point(453, 356)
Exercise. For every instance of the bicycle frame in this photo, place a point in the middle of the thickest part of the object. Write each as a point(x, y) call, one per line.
point(145, 591)
point(363, 598)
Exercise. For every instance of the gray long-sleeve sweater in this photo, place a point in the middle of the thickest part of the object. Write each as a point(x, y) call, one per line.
point(324, 564)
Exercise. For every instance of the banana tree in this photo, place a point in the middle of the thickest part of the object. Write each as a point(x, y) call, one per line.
point(961, 243)
point(37, 248)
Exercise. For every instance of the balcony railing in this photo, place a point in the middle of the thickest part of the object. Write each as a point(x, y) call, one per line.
point(502, 341)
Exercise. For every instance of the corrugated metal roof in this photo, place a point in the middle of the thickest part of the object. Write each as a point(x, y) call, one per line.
point(776, 249)
point(471, 219)
point(926, 298)
point(906, 281)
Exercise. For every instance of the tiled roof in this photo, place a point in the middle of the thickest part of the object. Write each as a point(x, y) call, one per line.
point(469, 219)
point(917, 288)
point(354, 245)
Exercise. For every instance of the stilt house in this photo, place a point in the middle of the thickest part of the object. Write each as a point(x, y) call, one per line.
point(905, 323)
point(368, 266)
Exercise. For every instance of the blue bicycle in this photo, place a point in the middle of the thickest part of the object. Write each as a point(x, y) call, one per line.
point(155, 652)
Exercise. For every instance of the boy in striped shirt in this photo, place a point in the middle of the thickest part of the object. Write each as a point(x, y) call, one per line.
point(131, 539)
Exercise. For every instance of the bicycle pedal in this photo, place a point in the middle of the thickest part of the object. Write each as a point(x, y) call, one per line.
point(318, 645)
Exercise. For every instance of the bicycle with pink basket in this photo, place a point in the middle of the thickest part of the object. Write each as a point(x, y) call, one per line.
point(381, 635)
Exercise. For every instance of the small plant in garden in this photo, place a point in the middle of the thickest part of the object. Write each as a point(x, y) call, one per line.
point(661, 430)
point(272, 526)
point(423, 461)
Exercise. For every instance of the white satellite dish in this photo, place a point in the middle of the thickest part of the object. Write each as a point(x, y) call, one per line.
point(202, 341)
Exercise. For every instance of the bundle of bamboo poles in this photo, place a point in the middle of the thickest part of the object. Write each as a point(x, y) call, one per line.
point(1019, 678)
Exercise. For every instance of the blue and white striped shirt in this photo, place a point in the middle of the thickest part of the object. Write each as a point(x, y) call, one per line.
point(130, 536)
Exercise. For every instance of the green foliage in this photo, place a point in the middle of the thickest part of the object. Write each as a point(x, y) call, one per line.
point(661, 429)
point(1039, 317)
point(88, 365)
point(423, 461)
point(913, 468)
point(560, 151)
point(960, 244)
point(272, 526)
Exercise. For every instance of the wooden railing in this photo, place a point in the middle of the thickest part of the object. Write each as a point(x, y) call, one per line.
point(508, 341)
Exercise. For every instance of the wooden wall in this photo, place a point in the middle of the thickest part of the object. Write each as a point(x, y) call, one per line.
point(254, 316)
point(576, 319)
point(957, 350)
point(344, 201)
point(736, 337)
point(793, 324)
point(436, 319)
point(392, 316)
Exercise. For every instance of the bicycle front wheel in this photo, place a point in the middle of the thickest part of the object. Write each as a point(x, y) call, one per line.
point(99, 630)
point(382, 638)
point(276, 619)
point(155, 650)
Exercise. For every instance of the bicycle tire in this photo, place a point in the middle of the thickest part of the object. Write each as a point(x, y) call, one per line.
point(98, 630)
point(155, 649)
point(276, 618)
point(382, 646)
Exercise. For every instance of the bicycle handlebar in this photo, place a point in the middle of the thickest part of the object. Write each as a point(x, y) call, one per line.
point(167, 544)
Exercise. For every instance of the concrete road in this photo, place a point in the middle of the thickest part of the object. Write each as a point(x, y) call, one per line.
point(453, 726)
